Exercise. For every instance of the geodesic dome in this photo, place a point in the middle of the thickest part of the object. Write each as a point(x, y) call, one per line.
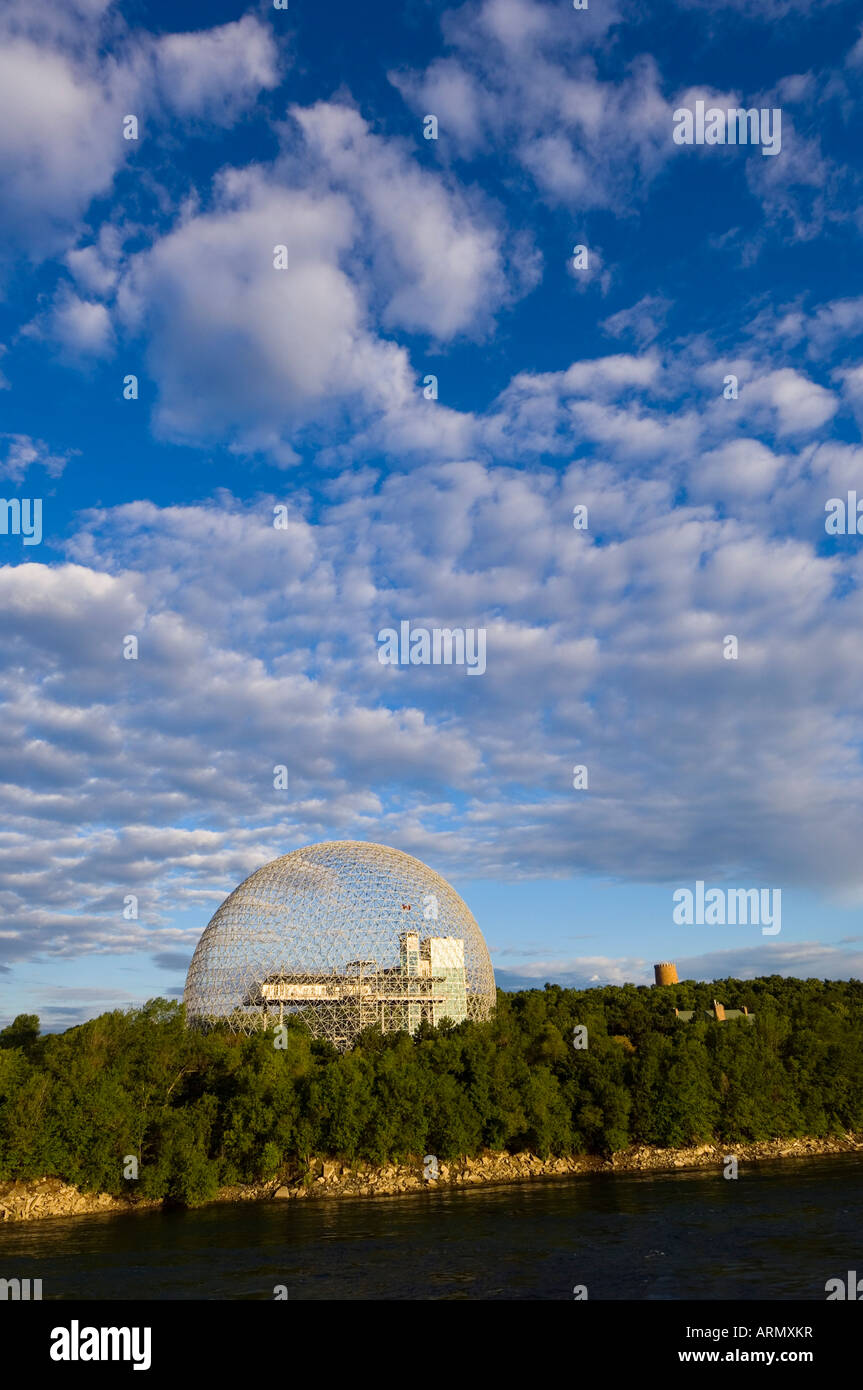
point(347, 934)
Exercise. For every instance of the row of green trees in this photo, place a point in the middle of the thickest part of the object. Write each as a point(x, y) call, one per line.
point(199, 1110)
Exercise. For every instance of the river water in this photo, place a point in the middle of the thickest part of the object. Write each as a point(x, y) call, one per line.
point(780, 1231)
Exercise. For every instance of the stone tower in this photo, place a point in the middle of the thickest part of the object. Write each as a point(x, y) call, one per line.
point(665, 973)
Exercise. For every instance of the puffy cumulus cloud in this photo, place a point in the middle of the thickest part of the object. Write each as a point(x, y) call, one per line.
point(413, 428)
point(69, 75)
point(820, 331)
point(100, 741)
point(244, 351)
point(259, 356)
point(448, 91)
point(835, 466)
point(95, 265)
point(511, 23)
point(520, 78)
point(439, 265)
point(740, 469)
point(214, 74)
point(61, 143)
point(653, 410)
point(529, 80)
point(792, 402)
point(554, 412)
point(78, 327)
point(257, 647)
point(57, 22)
point(649, 412)
point(832, 324)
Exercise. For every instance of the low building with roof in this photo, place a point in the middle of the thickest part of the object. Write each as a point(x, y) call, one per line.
point(718, 1014)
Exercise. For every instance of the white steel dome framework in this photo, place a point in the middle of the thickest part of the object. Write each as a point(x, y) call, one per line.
point(348, 934)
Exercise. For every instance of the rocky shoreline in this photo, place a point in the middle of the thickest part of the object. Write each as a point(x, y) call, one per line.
point(49, 1197)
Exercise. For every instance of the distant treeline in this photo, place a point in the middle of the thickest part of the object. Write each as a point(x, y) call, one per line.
point(202, 1110)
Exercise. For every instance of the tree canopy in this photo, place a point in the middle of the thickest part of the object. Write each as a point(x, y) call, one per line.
point(201, 1110)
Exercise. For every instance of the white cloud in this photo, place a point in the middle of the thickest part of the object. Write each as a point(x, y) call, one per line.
point(60, 143)
point(449, 93)
point(741, 469)
point(215, 74)
point(258, 647)
point(80, 328)
point(255, 355)
point(793, 402)
point(243, 350)
point(803, 959)
point(438, 260)
point(19, 452)
point(67, 80)
point(643, 321)
point(528, 81)
point(520, 80)
point(95, 266)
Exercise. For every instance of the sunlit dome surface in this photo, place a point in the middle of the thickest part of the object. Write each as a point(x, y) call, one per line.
point(348, 934)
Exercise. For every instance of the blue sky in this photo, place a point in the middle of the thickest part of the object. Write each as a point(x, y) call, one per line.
point(557, 386)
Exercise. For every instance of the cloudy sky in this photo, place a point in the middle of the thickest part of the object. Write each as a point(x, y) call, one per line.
point(559, 385)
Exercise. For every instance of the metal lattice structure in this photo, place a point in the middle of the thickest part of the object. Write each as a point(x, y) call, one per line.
point(347, 934)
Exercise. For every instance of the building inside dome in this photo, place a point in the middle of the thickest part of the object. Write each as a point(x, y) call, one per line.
point(347, 934)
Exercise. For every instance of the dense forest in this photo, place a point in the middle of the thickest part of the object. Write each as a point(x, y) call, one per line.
point(202, 1110)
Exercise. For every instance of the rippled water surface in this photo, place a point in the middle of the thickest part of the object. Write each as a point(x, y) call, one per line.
point(779, 1232)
